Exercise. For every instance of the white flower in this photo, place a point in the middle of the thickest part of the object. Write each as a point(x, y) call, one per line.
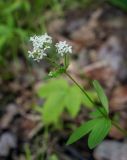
point(40, 45)
point(63, 48)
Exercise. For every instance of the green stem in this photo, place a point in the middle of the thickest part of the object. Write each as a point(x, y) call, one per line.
point(119, 128)
point(86, 94)
point(66, 61)
point(52, 62)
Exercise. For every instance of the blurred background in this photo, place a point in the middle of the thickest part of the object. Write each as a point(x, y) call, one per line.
point(35, 120)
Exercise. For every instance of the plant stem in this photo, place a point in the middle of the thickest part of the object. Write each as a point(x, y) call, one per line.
point(119, 128)
point(52, 62)
point(86, 94)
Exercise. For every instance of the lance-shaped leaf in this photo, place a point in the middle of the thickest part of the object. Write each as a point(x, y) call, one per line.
point(99, 132)
point(101, 95)
point(82, 131)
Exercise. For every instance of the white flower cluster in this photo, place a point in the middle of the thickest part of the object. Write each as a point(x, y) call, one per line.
point(63, 48)
point(42, 43)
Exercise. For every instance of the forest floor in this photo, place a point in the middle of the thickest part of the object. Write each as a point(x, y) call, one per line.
point(99, 40)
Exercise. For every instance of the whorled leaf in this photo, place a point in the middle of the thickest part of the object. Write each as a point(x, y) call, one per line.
point(101, 94)
point(99, 132)
point(81, 131)
point(98, 129)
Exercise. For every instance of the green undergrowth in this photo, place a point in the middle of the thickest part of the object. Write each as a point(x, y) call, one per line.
point(59, 97)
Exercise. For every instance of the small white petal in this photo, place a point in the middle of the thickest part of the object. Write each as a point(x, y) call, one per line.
point(40, 45)
point(63, 48)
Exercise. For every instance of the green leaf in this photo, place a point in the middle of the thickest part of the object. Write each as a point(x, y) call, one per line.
point(119, 3)
point(101, 95)
point(2, 41)
point(54, 85)
point(82, 131)
point(23, 35)
point(73, 100)
point(14, 6)
point(53, 108)
point(98, 112)
point(53, 157)
point(99, 132)
point(86, 101)
point(28, 152)
point(5, 30)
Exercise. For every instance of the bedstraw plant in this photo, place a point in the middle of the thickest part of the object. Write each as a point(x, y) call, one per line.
point(100, 123)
